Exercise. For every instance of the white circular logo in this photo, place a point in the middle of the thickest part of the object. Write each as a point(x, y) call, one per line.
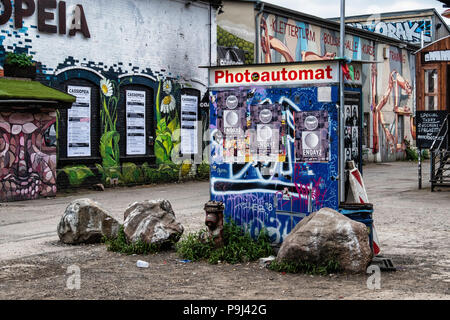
point(232, 102)
point(311, 123)
point(232, 118)
point(265, 133)
point(265, 116)
point(312, 140)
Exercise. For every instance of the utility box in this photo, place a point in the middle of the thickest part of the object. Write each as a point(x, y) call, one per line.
point(275, 141)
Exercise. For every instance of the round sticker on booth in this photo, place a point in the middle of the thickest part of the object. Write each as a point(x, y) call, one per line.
point(311, 123)
point(265, 116)
point(265, 133)
point(232, 102)
point(232, 118)
point(312, 140)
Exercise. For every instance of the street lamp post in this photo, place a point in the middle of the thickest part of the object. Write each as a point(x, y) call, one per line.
point(341, 109)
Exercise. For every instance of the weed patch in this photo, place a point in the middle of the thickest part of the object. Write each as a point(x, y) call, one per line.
point(332, 266)
point(238, 247)
point(121, 244)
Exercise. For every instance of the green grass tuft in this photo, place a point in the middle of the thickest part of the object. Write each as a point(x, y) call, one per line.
point(238, 246)
point(332, 266)
point(121, 244)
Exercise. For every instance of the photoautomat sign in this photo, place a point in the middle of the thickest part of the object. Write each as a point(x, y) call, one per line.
point(307, 73)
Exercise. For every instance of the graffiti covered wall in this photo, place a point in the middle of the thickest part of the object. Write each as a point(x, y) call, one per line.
point(392, 105)
point(117, 47)
point(286, 40)
point(272, 178)
point(387, 86)
point(409, 31)
point(27, 155)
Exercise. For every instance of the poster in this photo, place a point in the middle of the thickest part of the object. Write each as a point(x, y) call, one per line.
point(232, 122)
point(79, 123)
point(351, 133)
point(312, 136)
point(189, 130)
point(135, 115)
point(266, 133)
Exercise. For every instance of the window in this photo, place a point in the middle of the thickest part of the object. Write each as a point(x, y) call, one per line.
point(431, 89)
point(79, 127)
point(79, 122)
point(135, 121)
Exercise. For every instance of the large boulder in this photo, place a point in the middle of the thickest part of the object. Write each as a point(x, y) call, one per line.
point(85, 221)
point(152, 221)
point(328, 235)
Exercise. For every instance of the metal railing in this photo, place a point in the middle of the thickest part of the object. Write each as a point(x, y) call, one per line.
point(440, 157)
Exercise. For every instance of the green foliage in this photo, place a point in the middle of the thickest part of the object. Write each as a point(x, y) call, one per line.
point(109, 173)
point(164, 173)
point(203, 171)
point(19, 59)
point(193, 247)
point(332, 266)
point(77, 174)
point(426, 154)
point(109, 149)
point(226, 39)
point(167, 139)
point(238, 246)
point(157, 104)
point(131, 173)
point(163, 143)
point(121, 244)
point(411, 154)
point(169, 172)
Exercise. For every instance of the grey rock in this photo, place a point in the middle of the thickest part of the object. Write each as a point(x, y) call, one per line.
point(152, 221)
point(325, 235)
point(85, 221)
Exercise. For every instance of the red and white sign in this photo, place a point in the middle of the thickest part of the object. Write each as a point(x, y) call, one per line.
point(357, 186)
point(360, 195)
point(288, 74)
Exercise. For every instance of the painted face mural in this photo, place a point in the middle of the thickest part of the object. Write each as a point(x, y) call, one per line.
point(27, 155)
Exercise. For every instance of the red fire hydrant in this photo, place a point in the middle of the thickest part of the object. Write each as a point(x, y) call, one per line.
point(214, 221)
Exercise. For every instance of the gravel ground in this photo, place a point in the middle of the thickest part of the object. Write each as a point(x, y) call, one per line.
point(413, 229)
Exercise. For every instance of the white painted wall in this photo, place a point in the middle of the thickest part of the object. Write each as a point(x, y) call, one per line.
point(166, 36)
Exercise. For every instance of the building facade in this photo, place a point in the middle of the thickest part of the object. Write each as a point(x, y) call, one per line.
point(412, 26)
point(134, 68)
point(273, 34)
point(433, 76)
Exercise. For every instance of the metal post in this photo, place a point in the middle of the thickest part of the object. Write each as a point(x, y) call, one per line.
point(341, 109)
point(420, 169)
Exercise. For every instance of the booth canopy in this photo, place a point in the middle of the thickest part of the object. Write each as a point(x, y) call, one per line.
point(23, 91)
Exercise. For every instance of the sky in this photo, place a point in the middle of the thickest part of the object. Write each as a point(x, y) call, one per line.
point(331, 8)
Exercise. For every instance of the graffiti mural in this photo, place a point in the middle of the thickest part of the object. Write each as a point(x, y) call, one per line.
point(27, 155)
point(112, 171)
point(288, 40)
point(168, 123)
point(386, 87)
point(268, 192)
point(396, 92)
point(409, 31)
point(170, 66)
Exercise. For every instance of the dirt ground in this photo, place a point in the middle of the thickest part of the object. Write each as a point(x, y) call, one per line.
point(413, 227)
